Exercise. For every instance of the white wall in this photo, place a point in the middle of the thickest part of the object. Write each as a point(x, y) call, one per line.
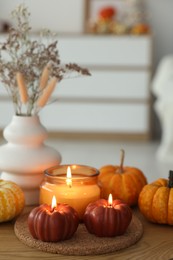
point(57, 15)
point(68, 16)
point(161, 19)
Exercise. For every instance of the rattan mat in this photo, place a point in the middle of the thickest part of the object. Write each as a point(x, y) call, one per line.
point(82, 243)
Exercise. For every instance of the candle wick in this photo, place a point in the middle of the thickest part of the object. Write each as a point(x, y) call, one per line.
point(109, 205)
point(69, 182)
point(52, 209)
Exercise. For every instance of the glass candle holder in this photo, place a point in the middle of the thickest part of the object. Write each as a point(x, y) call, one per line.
point(77, 190)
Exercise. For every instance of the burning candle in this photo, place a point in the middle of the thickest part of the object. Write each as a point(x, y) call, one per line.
point(69, 177)
point(107, 218)
point(110, 200)
point(53, 223)
point(75, 185)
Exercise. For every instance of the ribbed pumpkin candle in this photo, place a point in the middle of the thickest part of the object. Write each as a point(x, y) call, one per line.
point(107, 218)
point(53, 223)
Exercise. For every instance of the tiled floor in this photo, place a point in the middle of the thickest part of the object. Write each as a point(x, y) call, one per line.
point(96, 153)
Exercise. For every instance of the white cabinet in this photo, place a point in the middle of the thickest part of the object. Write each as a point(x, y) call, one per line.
point(106, 50)
point(116, 98)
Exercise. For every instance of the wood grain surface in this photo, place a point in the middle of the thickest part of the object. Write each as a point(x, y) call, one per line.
point(155, 244)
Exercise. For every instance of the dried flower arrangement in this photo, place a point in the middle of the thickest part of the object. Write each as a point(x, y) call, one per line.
point(29, 68)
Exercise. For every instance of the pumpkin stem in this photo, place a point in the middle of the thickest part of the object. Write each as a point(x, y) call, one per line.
point(170, 180)
point(121, 161)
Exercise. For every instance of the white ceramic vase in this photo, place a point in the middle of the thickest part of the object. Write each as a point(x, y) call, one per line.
point(24, 157)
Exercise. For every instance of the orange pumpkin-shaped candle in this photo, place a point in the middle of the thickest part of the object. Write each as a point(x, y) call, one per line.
point(12, 200)
point(106, 218)
point(123, 182)
point(53, 223)
point(156, 201)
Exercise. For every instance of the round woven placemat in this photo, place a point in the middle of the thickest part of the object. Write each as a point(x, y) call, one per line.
point(82, 243)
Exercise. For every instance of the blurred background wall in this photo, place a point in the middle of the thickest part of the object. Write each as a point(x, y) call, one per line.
point(68, 16)
point(64, 16)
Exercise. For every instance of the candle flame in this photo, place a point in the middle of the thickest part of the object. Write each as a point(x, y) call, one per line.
point(53, 205)
point(69, 177)
point(110, 200)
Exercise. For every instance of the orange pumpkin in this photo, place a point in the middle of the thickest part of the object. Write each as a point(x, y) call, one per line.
point(107, 12)
point(156, 201)
point(123, 182)
point(11, 200)
point(140, 28)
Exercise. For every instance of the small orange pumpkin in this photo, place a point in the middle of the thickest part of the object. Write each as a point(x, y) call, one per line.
point(12, 200)
point(140, 28)
point(107, 12)
point(123, 182)
point(156, 201)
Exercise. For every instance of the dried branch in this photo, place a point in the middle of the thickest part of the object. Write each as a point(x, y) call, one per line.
point(38, 63)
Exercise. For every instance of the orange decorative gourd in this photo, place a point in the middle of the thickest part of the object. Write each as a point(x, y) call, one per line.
point(156, 201)
point(140, 28)
point(123, 182)
point(107, 12)
point(12, 200)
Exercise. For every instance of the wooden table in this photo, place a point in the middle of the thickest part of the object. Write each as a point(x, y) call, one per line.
point(156, 243)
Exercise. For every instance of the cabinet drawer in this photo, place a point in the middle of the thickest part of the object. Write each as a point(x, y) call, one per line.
point(106, 84)
point(88, 117)
point(106, 50)
point(103, 84)
point(93, 117)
